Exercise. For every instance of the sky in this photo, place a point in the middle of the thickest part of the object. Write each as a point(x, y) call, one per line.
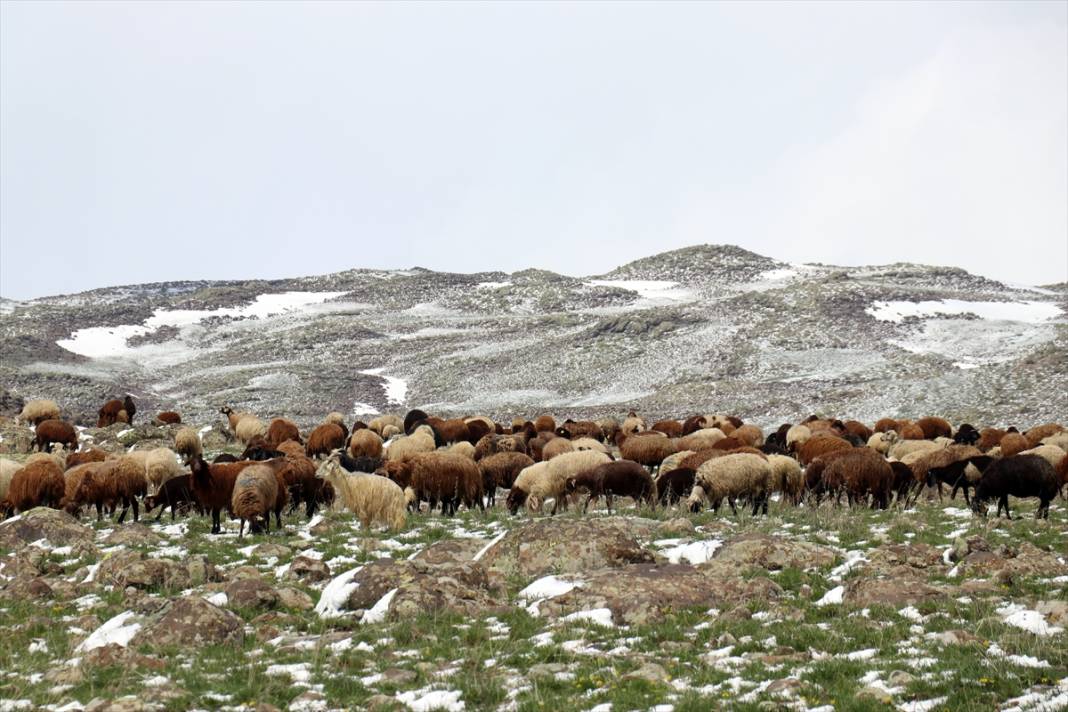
point(144, 142)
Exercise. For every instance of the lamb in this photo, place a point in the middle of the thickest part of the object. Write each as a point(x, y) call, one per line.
point(365, 443)
point(55, 431)
point(176, 493)
point(280, 430)
point(75, 495)
point(446, 478)
point(732, 477)
point(674, 484)
point(935, 428)
point(373, 499)
point(187, 444)
point(36, 484)
point(255, 495)
point(168, 417)
point(38, 411)
point(324, 439)
point(624, 478)
point(700, 439)
point(380, 423)
point(648, 450)
point(500, 470)
point(291, 448)
point(161, 464)
point(863, 472)
point(1019, 476)
point(786, 477)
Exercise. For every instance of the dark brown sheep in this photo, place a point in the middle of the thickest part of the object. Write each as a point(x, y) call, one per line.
point(692, 424)
point(648, 450)
point(298, 474)
point(692, 462)
point(749, 435)
point(447, 478)
point(728, 443)
point(80, 458)
point(675, 485)
point(109, 412)
point(884, 424)
point(55, 431)
point(583, 429)
point(862, 472)
point(500, 470)
point(671, 428)
point(38, 483)
point(817, 446)
point(623, 478)
point(477, 429)
point(254, 497)
point(990, 438)
point(168, 417)
point(412, 419)
point(933, 427)
point(176, 493)
point(213, 485)
point(280, 430)
point(324, 439)
point(1019, 476)
point(858, 429)
point(397, 470)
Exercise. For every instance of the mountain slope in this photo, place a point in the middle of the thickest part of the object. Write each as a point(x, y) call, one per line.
point(705, 328)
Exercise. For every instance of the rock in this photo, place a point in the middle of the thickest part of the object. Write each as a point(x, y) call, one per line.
point(269, 548)
point(294, 598)
point(960, 549)
point(652, 673)
point(200, 571)
point(192, 621)
point(916, 556)
point(643, 593)
point(382, 702)
point(1055, 611)
point(875, 693)
point(451, 551)
point(110, 655)
point(773, 553)
point(308, 701)
point(1025, 559)
point(900, 588)
point(131, 568)
point(59, 528)
point(325, 526)
point(900, 678)
point(28, 588)
point(787, 686)
point(65, 675)
point(567, 546)
point(130, 703)
point(956, 637)
point(132, 534)
point(399, 676)
point(677, 527)
point(251, 593)
point(304, 568)
point(425, 588)
point(243, 572)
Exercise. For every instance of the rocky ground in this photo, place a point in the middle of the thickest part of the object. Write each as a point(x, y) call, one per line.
point(805, 609)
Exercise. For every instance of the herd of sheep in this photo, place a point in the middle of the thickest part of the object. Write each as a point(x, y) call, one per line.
point(386, 468)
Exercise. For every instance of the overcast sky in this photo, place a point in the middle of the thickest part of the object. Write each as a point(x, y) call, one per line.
point(147, 141)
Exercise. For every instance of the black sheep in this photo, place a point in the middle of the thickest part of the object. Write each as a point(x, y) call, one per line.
point(177, 493)
point(1019, 476)
point(966, 435)
point(675, 484)
point(954, 475)
point(223, 458)
point(624, 478)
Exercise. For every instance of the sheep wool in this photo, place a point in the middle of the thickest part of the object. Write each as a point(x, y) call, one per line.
point(734, 476)
point(254, 496)
point(187, 443)
point(38, 411)
point(373, 499)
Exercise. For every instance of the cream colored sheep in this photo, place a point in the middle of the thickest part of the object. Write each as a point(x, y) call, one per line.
point(786, 477)
point(903, 448)
point(463, 448)
point(672, 461)
point(735, 476)
point(797, 436)
point(408, 446)
point(187, 443)
point(1050, 453)
point(161, 464)
point(373, 499)
point(700, 439)
point(37, 411)
point(579, 444)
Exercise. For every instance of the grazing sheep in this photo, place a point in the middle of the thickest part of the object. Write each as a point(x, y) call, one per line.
point(609, 428)
point(1019, 476)
point(187, 444)
point(555, 447)
point(1013, 444)
point(280, 430)
point(255, 495)
point(75, 496)
point(910, 431)
point(55, 431)
point(446, 478)
point(453, 430)
point(732, 477)
point(959, 474)
point(727, 423)
point(883, 425)
point(649, 450)
point(903, 448)
point(1034, 435)
point(935, 427)
point(373, 499)
point(176, 493)
point(632, 425)
point(1050, 453)
point(80, 458)
point(786, 477)
point(675, 484)
point(749, 435)
point(365, 443)
point(419, 442)
point(223, 458)
point(966, 435)
point(700, 439)
point(815, 447)
point(797, 436)
point(623, 478)
point(862, 472)
point(412, 419)
point(693, 424)
point(126, 483)
point(213, 485)
point(729, 443)
point(671, 428)
point(858, 429)
point(112, 412)
point(941, 457)
point(36, 484)
point(675, 459)
point(463, 448)
point(500, 470)
point(8, 468)
point(324, 439)
point(38, 411)
point(168, 417)
point(161, 464)
point(291, 448)
point(1062, 472)
point(532, 486)
point(990, 437)
point(381, 422)
point(700, 457)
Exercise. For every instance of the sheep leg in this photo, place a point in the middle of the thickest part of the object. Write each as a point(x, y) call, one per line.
point(586, 504)
point(730, 501)
point(122, 514)
point(608, 501)
point(135, 505)
point(241, 531)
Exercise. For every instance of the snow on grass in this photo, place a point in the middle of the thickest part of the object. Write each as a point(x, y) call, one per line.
point(297, 672)
point(1028, 661)
point(652, 291)
point(853, 559)
point(427, 699)
point(218, 599)
point(543, 589)
point(396, 388)
point(377, 612)
point(359, 408)
point(1032, 621)
point(115, 631)
point(492, 285)
point(332, 599)
point(921, 705)
point(483, 550)
point(696, 552)
point(866, 654)
point(832, 597)
point(1028, 312)
point(600, 616)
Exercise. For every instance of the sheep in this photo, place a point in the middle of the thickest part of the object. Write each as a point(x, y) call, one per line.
point(478, 427)
point(673, 460)
point(749, 435)
point(544, 423)
point(390, 431)
point(883, 425)
point(446, 478)
point(1013, 444)
point(990, 437)
point(555, 447)
point(882, 441)
point(933, 427)
point(255, 495)
point(858, 429)
point(168, 417)
point(609, 428)
point(126, 482)
point(380, 423)
point(462, 448)
point(223, 458)
point(786, 477)
point(1019, 476)
point(700, 457)
point(903, 448)
point(579, 444)
point(36, 484)
point(959, 474)
point(244, 426)
point(693, 424)
point(80, 458)
point(365, 443)
point(671, 428)
point(797, 436)
point(624, 478)
point(727, 423)
point(631, 425)
point(412, 419)
point(161, 464)
point(1034, 435)
point(187, 444)
point(863, 471)
point(729, 443)
point(966, 435)
point(453, 431)
point(700, 439)
point(940, 458)
point(109, 413)
point(816, 447)
point(373, 499)
point(213, 485)
point(38, 411)
point(420, 441)
point(1050, 453)
point(731, 477)
point(582, 429)
point(1058, 439)
point(910, 431)
point(817, 485)
point(648, 450)
point(8, 468)
point(291, 448)
point(75, 496)
point(500, 470)
point(281, 429)
point(1062, 472)
point(324, 439)
point(547, 479)
point(55, 431)
point(674, 484)
point(176, 493)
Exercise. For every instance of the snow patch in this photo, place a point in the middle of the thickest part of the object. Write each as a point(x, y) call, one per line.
point(696, 552)
point(115, 631)
point(1024, 618)
point(378, 612)
point(600, 616)
point(332, 600)
point(1026, 312)
point(428, 699)
point(832, 597)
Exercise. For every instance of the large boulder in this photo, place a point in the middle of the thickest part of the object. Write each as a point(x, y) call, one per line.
point(251, 593)
point(132, 568)
point(898, 587)
point(1020, 559)
point(773, 553)
point(133, 534)
point(192, 621)
point(644, 593)
point(58, 528)
point(553, 545)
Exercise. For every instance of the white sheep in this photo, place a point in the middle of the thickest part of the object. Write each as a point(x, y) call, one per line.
point(786, 477)
point(700, 439)
point(36, 411)
point(798, 435)
point(735, 476)
point(161, 464)
point(373, 499)
point(1050, 453)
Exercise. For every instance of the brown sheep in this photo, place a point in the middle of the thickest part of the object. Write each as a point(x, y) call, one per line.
point(109, 412)
point(281, 429)
point(728, 443)
point(884, 424)
point(324, 439)
point(38, 411)
point(544, 423)
point(700, 439)
point(940, 458)
point(453, 431)
point(80, 458)
point(500, 470)
point(213, 486)
point(448, 479)
point(934, 428)
point(671, 428)
point(863, 472)
point(583, 429)
point(858, 429)
point(55, 431)
point(749, 435)
point(648, 450)
point(1034, 435)
point(291, 448)
point(397, 471)
point(694, 461)
point(39, 483)
point(365, 443)
point(815, 447)
point(911, 431)
point(1062, 471)
point(693, 424)
point(168, 417)
point(989, 438)
point(255, 495)
point(1013, 444)
point(479, 427)
point(623, 478)
point(556, 446)
point(187, 444)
